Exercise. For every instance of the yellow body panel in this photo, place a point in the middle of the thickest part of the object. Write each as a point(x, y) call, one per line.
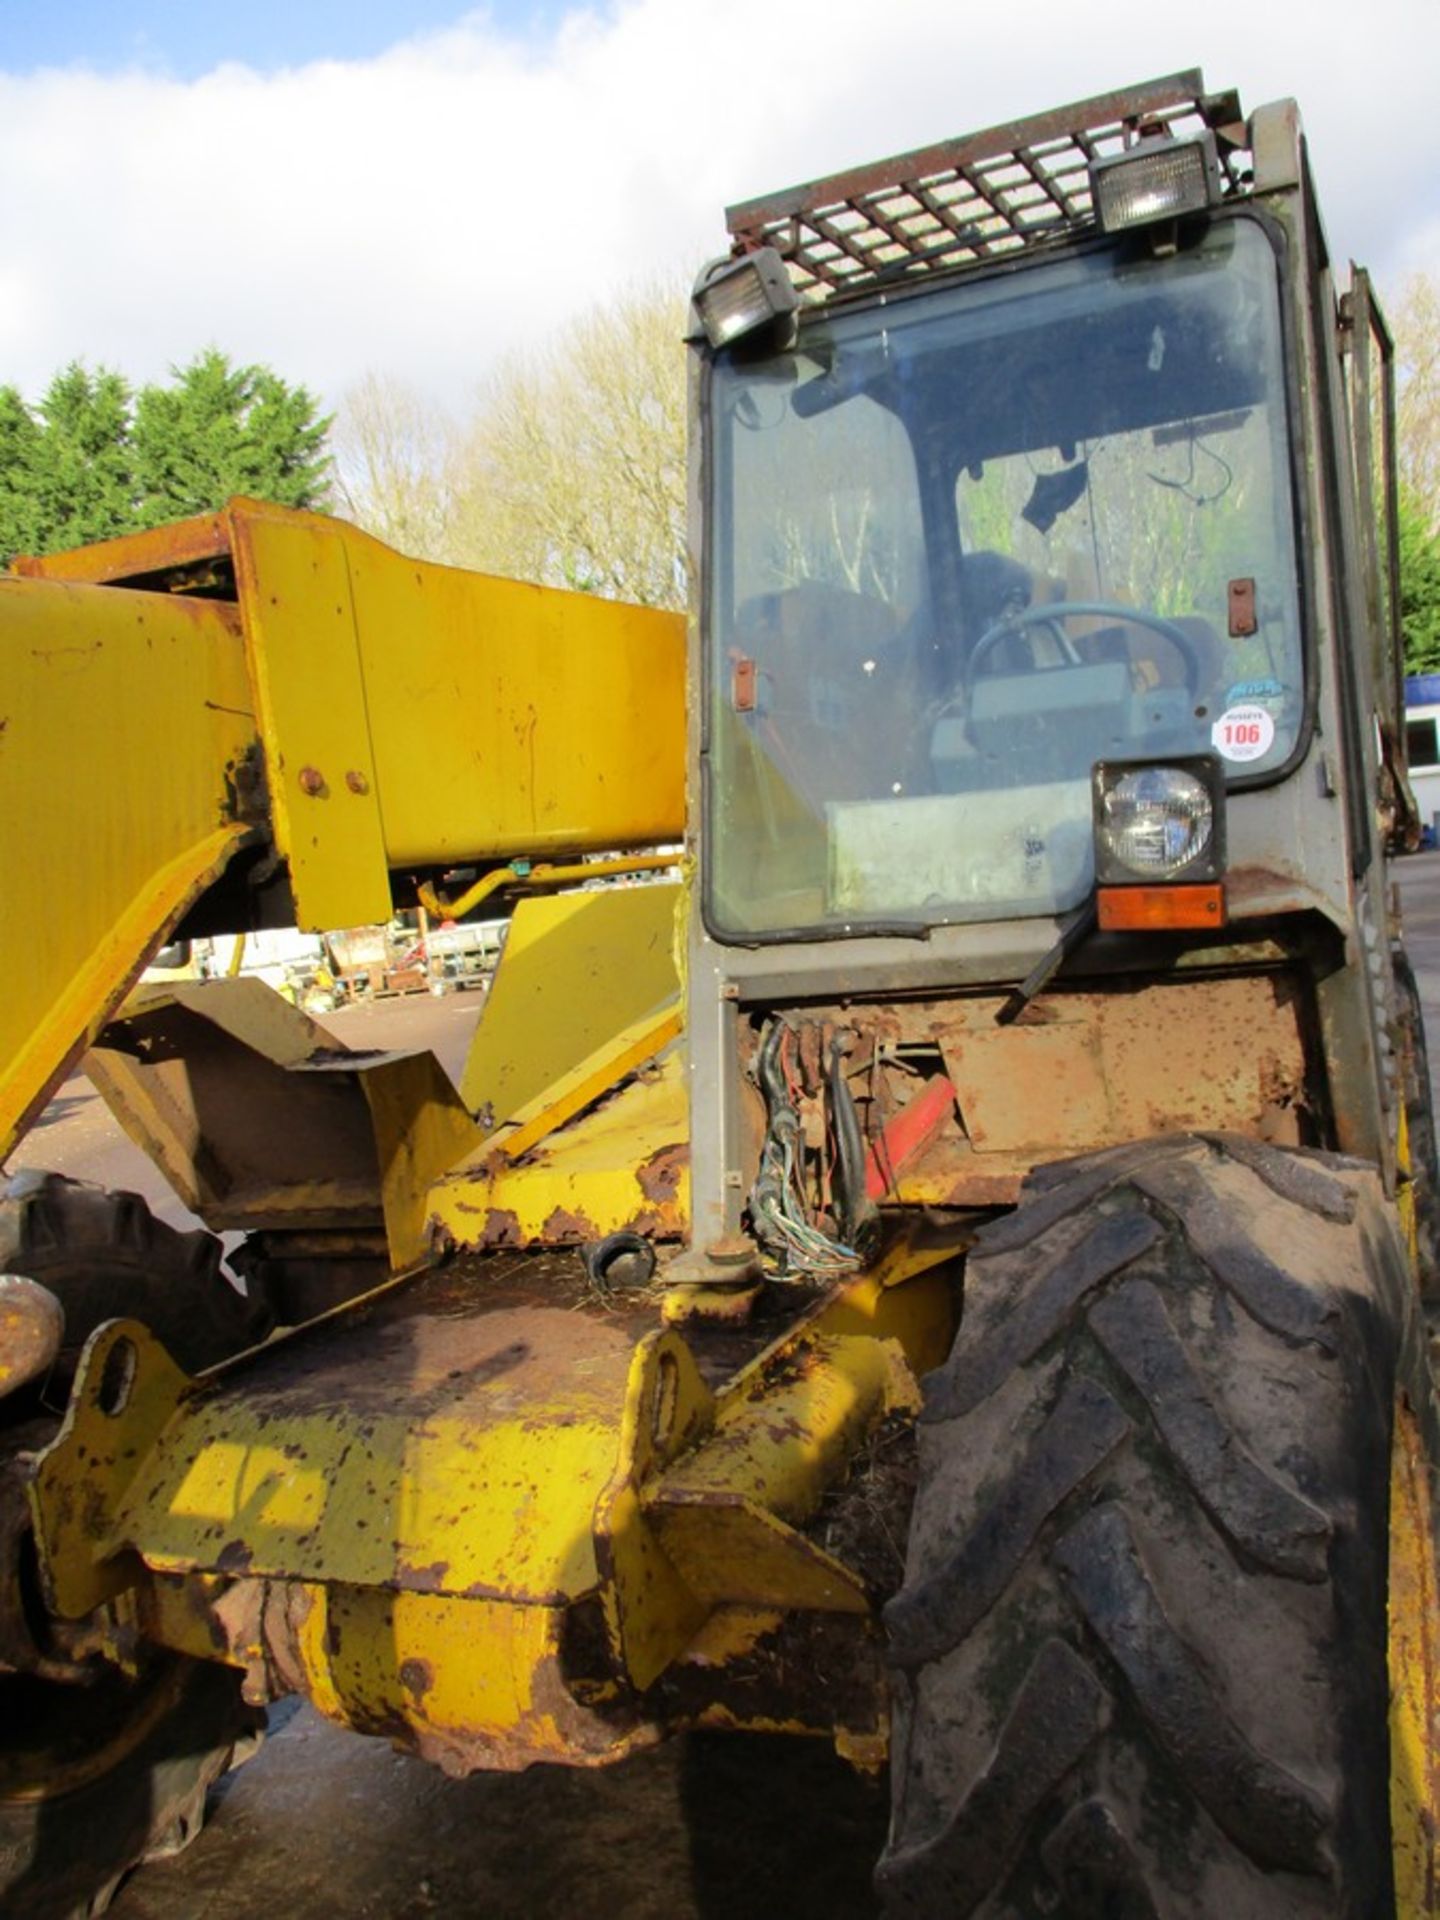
point(467, 1462)
point(421, 715)
point(623, 1165)
point(577, 971)
point(363, 711)
point(300, 631)
point(127, 1391)
point(1414, 1609)
point(405, 1509)
point(124, 718)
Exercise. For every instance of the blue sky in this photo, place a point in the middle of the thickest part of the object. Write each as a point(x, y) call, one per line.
point(187, 38)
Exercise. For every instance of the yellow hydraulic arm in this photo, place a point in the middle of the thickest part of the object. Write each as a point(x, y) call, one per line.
point(265, 678)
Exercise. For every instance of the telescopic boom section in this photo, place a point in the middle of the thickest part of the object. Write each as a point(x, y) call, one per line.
point(266, 679)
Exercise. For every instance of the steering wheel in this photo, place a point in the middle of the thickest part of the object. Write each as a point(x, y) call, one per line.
point(1049, 612)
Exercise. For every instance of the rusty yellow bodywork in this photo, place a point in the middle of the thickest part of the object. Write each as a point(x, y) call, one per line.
point(125, 721)
point(1414, 1653)
point(490, 1520)
point(279, 679)
point(588, 989)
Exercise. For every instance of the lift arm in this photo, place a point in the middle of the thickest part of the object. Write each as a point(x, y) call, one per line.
point(265, 678)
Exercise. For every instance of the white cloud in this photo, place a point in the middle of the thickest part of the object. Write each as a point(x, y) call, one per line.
point(421, 212)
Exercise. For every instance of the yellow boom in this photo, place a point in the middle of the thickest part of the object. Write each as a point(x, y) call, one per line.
point(280, 681)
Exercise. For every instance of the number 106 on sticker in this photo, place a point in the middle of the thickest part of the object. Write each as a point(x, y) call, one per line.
point(1243, 733)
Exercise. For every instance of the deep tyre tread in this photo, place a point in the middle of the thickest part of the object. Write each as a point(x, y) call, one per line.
point(1140, 1654)
point(106, 1256)
point(100, 1772)
point(64, 1856)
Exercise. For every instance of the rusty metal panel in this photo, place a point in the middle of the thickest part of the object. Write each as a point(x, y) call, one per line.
point(1085, 1067)
point(261, 1119)
point(623, 1165)
point(965, 200)
point(182, 544)
point(207, 1078)
point(1086, 1070)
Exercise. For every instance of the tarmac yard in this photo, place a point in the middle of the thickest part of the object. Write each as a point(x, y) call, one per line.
point(323, 1824)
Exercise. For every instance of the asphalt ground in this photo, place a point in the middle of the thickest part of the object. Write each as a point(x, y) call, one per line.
point(325, 1824)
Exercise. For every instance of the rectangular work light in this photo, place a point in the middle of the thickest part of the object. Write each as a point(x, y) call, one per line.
point(1156, 179)
point(736, 297)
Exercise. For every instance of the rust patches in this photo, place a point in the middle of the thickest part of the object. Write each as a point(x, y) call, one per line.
point(1264, 889)
point(432, 1578)
point(811, 1672)
point(659, 1176)
point(563, 1228)
point(133, 556)
point(502, 1228)
point(417, 1677)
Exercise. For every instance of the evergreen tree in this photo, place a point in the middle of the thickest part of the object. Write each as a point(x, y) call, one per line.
point(83, 485)
point(221, 430)
point(1419, 587)
point(19, 508)
point(92, 461)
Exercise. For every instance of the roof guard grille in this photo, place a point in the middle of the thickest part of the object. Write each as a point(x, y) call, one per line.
point(976, 197)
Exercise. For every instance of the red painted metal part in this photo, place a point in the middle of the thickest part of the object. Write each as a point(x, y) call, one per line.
point(906, 1134)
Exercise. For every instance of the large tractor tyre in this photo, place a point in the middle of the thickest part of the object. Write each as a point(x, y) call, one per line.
point(105, 1256)
point(100, 1770)
point(1424, 1162)
point(1140, 1657)
point(97, 1779)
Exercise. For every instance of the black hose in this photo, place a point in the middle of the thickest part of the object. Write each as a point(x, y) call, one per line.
point(855, 1211)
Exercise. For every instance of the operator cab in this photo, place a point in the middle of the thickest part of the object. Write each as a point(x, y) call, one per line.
point(971, 536)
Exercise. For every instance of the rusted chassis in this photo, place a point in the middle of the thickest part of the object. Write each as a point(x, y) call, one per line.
point(474, 1514)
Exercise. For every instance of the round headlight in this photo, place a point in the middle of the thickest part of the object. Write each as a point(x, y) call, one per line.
point(1156, 821)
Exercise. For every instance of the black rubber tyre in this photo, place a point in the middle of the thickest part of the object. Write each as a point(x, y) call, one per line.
point(105, 1255)
point(96, 1780)
point(1140, 1657)
point(1414, 1062)
point(100, 1771)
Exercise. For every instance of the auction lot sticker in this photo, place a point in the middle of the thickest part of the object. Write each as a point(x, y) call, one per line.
point(1243, 733)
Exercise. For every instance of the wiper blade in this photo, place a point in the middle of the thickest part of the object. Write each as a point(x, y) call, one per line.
point(1075, 932)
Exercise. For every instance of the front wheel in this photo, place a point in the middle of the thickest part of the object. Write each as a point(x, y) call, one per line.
point(1141, 1652)
point(99, 1777)
point(100, 1769)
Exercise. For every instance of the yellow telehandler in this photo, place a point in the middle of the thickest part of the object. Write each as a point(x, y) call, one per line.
point(953, 1070)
